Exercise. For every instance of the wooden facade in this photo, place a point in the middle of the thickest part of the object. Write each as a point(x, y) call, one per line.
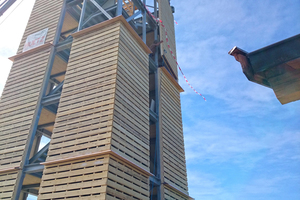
point(103, 108)
point(166, 15)
point(172, 133)
point(101, 132)
point(45, 14)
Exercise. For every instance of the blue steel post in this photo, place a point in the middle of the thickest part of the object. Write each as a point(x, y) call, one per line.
point(157, 105)
point(38, 110)
point(144, 23)
point(119, 7)
point(82, 15)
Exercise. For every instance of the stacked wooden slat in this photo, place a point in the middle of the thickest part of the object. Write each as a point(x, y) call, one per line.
point(131, 112)
point(171, 129)
point(79, 179)
point(166, 15)
point(7, 184)
point(172, 195)
point(17, 105)
point(125, 182)
point(84, 120)
point(103, 110)
point(45, 14)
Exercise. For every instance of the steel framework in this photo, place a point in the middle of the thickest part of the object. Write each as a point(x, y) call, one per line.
point(89, 13)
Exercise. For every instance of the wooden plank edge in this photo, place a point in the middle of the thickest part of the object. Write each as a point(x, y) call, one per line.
point(144, 171)
point(172, 187)
point(12, 169)
point(110, 21)
point(165, 71)
point(105, 152)
point(31, 51)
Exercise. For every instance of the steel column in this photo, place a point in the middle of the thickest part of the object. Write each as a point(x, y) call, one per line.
point(119, 7)
point(38, 110)
point(82, 15)
point(158, 145)
point(144, 23)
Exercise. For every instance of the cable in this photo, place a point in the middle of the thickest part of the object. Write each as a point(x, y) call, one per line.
point(11, 12)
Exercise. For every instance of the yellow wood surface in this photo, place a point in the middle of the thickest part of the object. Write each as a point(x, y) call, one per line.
point(18, 103)
point(79, 179)
point(130, 135)
point(171, 195)
point(85, 115)
point(7, 183)
point(166, 15)
point(45, 14)
point(174, 166)
point(125, 182)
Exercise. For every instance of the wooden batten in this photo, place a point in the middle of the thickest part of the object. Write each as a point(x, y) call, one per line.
point(103, 113)
point(17, 108)
point(7, 183)
point(12, 169)
point(166, 15)
point(130, 135)
point(176, 84)
point(45, 14)
point(31, 51)
point(174, 164)
point(179, 193)
point(85, 115)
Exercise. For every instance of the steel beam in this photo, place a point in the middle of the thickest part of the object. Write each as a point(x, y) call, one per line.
point(51, 108)
point(40, 153)
point(141, 6)
point(33, 168)
point(58, 74)
point(154, 180)
point(133, 16)
point(82, 15)
point(51, 99)
point(101, 9)
point(153, 116)
point(66, 44)
point(5, 5)
point(45, 125)
point(31, 191)
point(26, 187)
point(57, 88)
point(53, 80)
point(44, 132)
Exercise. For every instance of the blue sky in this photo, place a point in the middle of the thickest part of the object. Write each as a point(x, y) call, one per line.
point(241, 143)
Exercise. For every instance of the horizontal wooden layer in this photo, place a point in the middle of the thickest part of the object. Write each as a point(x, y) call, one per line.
point(31, 51)
point(107, 22)
point(106, 152)
point(165, 71)
point(172, 192)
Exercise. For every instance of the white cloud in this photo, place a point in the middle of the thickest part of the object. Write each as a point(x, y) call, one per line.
point(217, 143)
point(203, 184)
